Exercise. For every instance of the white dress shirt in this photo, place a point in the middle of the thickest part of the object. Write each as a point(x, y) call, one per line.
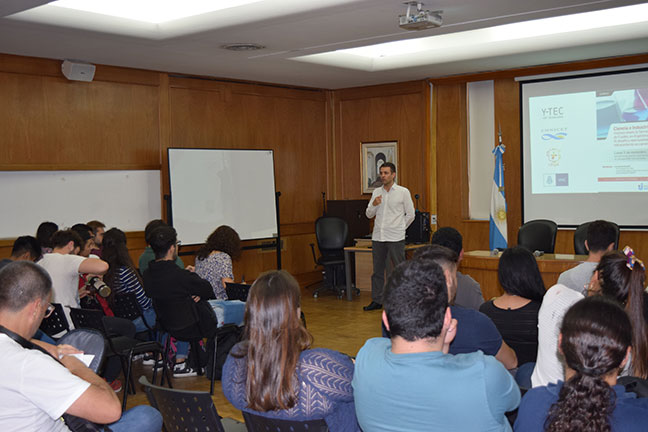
point(393, 215)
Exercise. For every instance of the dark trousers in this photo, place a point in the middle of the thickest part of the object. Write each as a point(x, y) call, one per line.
point(385, 255)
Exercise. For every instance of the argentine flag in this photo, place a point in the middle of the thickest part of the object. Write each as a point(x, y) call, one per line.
point(498, 202)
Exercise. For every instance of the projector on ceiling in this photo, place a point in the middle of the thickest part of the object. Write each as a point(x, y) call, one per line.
point(420, 19)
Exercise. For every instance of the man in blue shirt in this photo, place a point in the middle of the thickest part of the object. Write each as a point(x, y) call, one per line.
point(410, 382)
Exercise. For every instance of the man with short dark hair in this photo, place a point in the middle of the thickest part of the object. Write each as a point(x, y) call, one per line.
point(148, 255)
point(475, 331)
point(410, 382)
point(601, 236)
point(98, 228)
point(179, 296)
point(393, 209)
point(37, 388)
point(25, 248)
point(469, 294)
point(87, 239)
point(64, 267)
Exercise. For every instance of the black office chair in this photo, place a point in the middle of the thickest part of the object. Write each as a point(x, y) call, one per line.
point(185, 410)
point(538, 235)
point(331, 234)
point(56, 322)
point(580, 235)
point(257, 423)
point(120, 334)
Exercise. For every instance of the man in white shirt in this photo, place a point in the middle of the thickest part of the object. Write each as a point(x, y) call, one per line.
point(64, 268)
point(393, 209)
point(601, 237)
point(36, 389)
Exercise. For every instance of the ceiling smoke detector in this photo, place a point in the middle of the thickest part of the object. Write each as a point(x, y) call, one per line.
point(242, 47)
point(419, 19)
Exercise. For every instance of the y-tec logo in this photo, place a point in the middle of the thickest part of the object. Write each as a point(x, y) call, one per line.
point(555, 112)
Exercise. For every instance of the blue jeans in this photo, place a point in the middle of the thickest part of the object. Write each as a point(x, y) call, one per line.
point(44, 337)
point(149, 316)
point(142, 418)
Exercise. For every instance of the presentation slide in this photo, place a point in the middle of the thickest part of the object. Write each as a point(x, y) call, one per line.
point(585, 148)
point(589, 142)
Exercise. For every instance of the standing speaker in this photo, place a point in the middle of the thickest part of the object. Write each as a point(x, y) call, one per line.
point(419, 230)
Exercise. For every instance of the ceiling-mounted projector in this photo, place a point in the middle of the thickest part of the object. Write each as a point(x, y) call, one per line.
point(420, 19)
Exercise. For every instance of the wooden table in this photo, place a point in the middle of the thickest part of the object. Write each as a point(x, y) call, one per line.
point(363, 271)
point(483, 268)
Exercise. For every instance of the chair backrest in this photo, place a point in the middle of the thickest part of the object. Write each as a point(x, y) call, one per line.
point(237, 291)
point(87, 318)
point(580, 235)
point(125, 305)
point(90, 342)
point(331, 234)
point(539, 234)
point(56, 322)
point(257, 423)
point(183, 409)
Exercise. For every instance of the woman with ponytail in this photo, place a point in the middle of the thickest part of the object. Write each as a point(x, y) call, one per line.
point(621, 277)
point(273, 373)
point(595, 340)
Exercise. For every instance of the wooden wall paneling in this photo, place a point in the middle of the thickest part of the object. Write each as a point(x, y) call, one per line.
point(450, 138)
point(383, 114)
point(52, 123)
point(507, 115)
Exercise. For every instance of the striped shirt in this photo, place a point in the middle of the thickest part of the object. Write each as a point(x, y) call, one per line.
point(127, 282)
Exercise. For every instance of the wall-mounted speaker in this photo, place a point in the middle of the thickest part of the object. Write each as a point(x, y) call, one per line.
point(77, 71)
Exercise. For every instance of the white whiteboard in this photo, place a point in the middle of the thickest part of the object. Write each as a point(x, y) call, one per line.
point(213, 187)
point(123, 199)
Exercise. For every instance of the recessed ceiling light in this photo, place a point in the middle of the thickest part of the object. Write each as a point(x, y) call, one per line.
point(151, 11)
point(534, 35)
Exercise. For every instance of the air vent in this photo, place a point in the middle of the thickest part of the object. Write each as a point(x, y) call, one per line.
point(242, 47)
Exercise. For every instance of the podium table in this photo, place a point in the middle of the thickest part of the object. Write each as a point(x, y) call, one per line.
point(482, 267)
point(365, 269)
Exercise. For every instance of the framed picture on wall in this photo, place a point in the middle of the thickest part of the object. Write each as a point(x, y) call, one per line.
point(373, 155)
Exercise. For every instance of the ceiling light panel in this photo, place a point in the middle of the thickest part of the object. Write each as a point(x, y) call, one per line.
point(151, 11)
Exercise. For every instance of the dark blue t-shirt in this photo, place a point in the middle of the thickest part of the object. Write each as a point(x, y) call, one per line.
point(475, 331)
point(629, 415)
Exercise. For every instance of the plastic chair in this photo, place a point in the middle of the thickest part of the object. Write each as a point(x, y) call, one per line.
point(331, 234)
point(580, 235)
point(120, 336)
point(257, 423)
point(90, 342)
point(125, 305)
point(187, 410)
point(56, 322)
point(539, 234)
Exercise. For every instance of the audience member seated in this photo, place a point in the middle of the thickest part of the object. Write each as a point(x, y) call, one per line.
point(25, 248)
point(549, 367)
point(44, 235)
point(148, 255)
point(601, 236)
point(174, 292)
point(98, 229)
point(41, 382)
point(64, 268)
point(469, 294)
point(475, 331)
point(214, 259)
point(273, 373)
point(595, 339)
point(410, 382)
point(621, 277)
point(122, 277)
point(515, 313)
